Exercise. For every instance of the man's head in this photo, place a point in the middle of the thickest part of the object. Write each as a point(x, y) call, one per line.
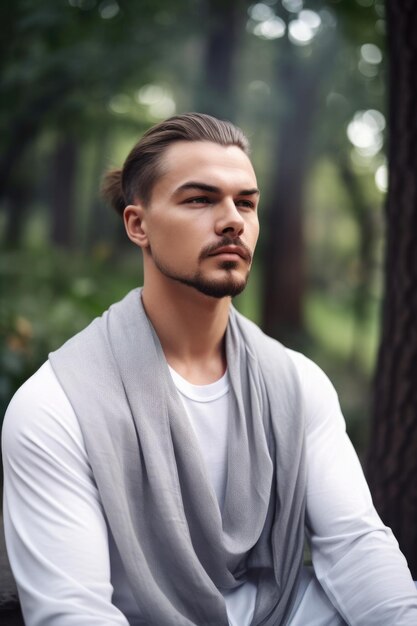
point(144, 164)
point(189, 198)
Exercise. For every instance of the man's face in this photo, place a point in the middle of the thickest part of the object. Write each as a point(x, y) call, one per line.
point(201, 224)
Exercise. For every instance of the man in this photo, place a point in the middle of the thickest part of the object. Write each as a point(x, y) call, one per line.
point(163, 466)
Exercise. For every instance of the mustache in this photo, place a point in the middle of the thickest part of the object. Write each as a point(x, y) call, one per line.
point(211, 249)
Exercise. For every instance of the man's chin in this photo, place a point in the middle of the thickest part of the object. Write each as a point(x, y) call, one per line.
point(218, 289)
point(228, 285)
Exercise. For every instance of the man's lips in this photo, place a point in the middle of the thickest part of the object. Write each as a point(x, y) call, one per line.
point(227, 246)
point(235, 250)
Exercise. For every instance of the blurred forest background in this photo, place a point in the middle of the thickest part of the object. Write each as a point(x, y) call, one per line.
point(308, 81)
point(305, 79)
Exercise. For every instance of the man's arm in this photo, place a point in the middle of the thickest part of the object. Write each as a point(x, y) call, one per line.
point(56, 534)
point(355, 557)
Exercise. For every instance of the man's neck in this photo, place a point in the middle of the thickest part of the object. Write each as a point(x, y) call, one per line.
point(191, 328)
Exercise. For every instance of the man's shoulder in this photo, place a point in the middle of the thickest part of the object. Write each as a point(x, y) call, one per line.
point(39, 410)
point(312, 382)
point(41, 401)
point(306, 368)
point(36, 390)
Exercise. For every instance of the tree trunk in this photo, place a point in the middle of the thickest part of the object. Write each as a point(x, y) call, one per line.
point(62, 184)
point(283, 259)
point(363, 215)
point(216, 93)
point(392, 459)
point(283, 253)
point(16, 202)
point(25, 127)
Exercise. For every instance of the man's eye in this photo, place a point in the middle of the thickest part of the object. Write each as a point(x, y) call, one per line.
point(245, 203)
point(198, 200)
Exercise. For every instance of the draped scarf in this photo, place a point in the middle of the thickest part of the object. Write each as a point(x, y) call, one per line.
point(178, 549)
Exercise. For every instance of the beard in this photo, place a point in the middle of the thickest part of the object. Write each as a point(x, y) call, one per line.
point(221, 288)
point(228, 286)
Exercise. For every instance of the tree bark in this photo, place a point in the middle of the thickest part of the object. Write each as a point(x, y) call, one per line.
point(392, 458)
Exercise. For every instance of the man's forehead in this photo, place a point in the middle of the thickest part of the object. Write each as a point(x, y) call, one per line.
point(192, 159)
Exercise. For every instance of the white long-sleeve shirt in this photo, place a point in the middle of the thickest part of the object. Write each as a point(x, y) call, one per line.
point(67, 567)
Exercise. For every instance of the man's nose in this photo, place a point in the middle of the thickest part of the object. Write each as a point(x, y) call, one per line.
point(228, 219)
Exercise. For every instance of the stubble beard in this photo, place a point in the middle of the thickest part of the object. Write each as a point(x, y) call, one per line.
point(221, 288)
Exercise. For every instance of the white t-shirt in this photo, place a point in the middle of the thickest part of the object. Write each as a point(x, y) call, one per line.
point(208, 409)
point(64, 559)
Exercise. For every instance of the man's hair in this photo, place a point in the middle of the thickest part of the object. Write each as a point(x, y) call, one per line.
point(142, 167)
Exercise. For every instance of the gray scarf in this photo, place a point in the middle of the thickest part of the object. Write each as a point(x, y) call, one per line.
point(176, 546)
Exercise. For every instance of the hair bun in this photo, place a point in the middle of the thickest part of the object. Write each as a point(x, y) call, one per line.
point(111, 190)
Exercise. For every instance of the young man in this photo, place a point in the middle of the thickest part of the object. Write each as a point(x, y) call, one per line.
point(164, 465)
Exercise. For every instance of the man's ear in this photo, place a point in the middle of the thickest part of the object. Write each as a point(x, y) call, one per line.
point(135, 224)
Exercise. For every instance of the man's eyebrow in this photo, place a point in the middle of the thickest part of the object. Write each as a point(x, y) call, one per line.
point(249, 192)
point(212, 189)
